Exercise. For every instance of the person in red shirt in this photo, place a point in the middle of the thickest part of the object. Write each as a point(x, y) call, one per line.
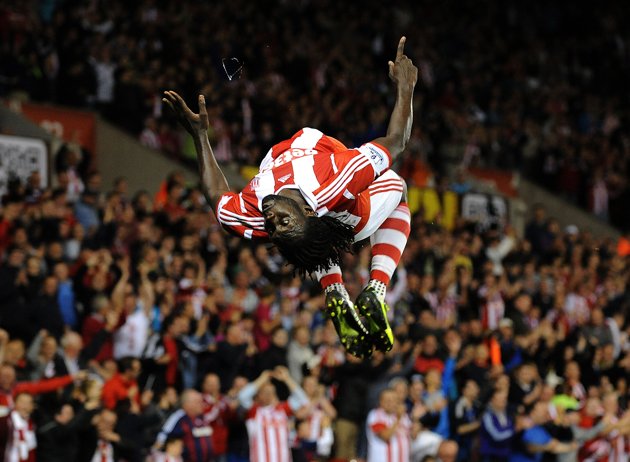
point(10, 389)
point(218, 410)
point(313, 198)
point(429, 358)
point(174, 328)
point(124, 384)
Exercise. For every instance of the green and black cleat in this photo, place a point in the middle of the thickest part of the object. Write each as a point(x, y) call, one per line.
point(375, 313)
point(352, 333)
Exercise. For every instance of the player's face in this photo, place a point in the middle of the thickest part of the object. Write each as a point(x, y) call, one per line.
point(283, 216)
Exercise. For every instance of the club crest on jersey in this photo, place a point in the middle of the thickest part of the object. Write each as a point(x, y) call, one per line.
point(284, 178)
point(254, 182)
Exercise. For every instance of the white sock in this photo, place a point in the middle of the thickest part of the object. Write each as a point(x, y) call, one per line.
point(380, 289)
point(341, 289)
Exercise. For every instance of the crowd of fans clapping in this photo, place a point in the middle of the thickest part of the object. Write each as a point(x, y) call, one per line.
point(539, 89)
point(134, 327)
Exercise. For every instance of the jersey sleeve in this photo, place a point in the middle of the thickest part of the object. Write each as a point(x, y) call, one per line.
point(375, 422)
point(355, 170)
point(239, 218)
point(285, 407)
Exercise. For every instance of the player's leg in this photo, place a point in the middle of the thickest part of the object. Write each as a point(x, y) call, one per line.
point(340, 310)
point(390, 213)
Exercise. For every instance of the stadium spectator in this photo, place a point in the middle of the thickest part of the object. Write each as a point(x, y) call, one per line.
point(218, 411)
point(497, 430)
point(267, 423)
point(21, 443)
point(58, 439)
point(588, 357)
point(189, 425)
point(536, 440)
point(123, 385)
point(489, 95)
point(467, 419)
point(100, 441)
point(388, 429)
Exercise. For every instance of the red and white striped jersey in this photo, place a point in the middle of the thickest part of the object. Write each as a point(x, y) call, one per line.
point(268, 432)
point(394, 450)
point(330, 176)
point(21, 441)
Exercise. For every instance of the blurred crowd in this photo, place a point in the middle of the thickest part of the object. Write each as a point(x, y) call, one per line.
point(540, 89)
point(134, 328)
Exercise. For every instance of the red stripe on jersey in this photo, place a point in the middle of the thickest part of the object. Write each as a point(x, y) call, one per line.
point(394, 187)
point(341, 183)
point(356, 164)
point(384, 190)
point(234, 221)
point(331, 189)
point(253, 451)
point(378, 184)
point(247, 218)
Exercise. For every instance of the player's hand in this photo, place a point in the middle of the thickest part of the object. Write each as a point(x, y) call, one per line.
point(402, 71)
point(193, 123)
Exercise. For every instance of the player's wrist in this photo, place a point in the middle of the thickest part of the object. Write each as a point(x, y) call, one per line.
point(405, 89)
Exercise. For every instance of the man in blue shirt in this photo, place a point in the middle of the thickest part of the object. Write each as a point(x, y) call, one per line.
point(497, 430)
point(536, 439)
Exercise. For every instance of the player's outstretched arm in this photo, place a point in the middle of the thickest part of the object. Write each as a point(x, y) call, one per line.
point(404, 75)
point(213, 181)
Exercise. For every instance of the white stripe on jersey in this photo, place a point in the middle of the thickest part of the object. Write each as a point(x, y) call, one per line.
point(237, 222)
point(247, 218)
point(269, 438)
point(316, 424)
point(255, 221)
point(385, 189)
point(304, 173)
point(342, 180)
point(308, 139)
point(264, 165)
point(266, 184)
point(394, 450)
point(379, 184)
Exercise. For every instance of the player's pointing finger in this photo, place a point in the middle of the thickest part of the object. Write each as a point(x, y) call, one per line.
point(401, 48)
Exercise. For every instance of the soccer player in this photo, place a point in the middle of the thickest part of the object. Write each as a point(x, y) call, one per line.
point(313, 198)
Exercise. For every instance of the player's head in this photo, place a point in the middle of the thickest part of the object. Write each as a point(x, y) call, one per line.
point(308, 242)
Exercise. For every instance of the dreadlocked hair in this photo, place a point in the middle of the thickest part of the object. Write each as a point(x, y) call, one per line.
point(318, 247)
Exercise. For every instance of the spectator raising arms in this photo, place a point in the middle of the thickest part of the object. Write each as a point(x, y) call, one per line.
point(267, 417)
